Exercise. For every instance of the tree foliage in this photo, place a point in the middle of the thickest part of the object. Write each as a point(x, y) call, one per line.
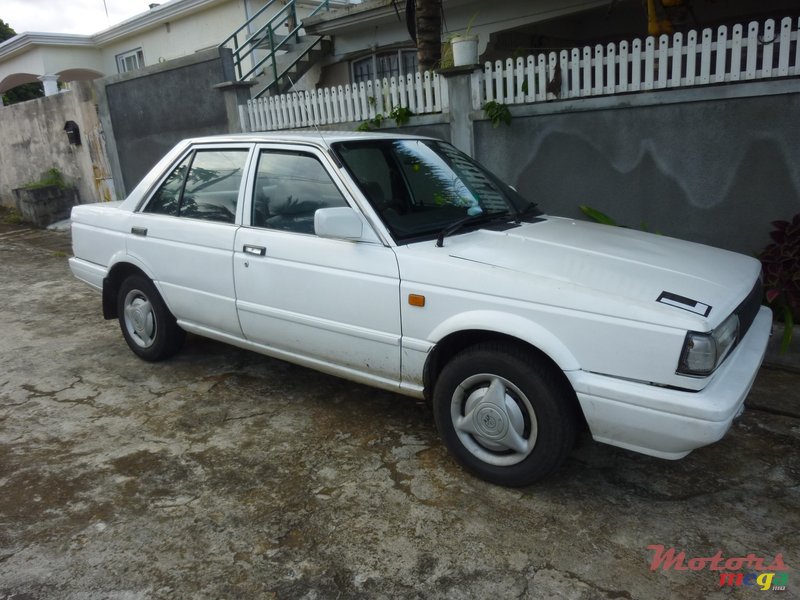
point(6, 32)
point(26, 91)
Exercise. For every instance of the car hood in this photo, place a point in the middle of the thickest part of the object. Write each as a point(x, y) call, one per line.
point(626, 268)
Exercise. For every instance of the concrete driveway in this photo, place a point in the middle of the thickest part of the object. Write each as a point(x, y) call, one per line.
point(224, 474)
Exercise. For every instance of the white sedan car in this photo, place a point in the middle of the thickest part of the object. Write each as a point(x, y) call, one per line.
point(399, 262)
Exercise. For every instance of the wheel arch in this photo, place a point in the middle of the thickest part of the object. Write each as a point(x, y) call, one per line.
point(112, 281)
point(488, 326)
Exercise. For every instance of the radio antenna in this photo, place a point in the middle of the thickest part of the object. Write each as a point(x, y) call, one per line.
point(331, 153)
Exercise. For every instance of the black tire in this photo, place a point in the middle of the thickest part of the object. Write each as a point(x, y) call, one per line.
point(147, 325)
point(520, 432)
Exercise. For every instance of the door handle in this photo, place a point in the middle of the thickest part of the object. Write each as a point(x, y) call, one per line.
point(257, 250)
point(139, 231)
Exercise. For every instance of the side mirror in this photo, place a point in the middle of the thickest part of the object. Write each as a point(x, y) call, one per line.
point(342, 223)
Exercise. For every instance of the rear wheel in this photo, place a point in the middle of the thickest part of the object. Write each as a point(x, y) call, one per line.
point(147, 325)
point(505, 414)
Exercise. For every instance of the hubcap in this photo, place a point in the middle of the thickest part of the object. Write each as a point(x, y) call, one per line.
point(140, 320)
point(494, 420)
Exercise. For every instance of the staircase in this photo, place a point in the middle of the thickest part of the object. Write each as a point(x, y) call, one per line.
point(275, 55)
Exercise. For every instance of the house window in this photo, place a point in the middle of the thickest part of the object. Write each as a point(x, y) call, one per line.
point(130, 60)
point(385, 65)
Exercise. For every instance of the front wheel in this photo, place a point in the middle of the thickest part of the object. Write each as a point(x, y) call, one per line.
point(505, 414)
point(147, 325)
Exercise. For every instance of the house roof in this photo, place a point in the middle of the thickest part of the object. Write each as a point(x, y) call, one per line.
point(30, 54)
point(158, 15)
point(23, 41)
point(155, 16)
point(353, 15)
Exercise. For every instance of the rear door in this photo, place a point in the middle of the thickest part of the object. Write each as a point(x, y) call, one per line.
point(326, 301)
point(184, 235)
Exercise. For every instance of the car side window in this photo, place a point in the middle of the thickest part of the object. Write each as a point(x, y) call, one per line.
point(204, 186)
point(167, 198)
point(212, 185)
point(289, 188)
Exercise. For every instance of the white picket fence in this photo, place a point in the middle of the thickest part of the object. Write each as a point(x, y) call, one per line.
point(421, 93)
point(761, 51)
point(698, 58)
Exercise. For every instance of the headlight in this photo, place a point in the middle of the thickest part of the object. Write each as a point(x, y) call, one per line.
point(704, 352)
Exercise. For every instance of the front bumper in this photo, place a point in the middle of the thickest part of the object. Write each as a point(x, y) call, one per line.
point(670, 423)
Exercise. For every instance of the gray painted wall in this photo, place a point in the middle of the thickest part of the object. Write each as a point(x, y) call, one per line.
point(434, 130)
point(714, 165)
point(152, 109)
point(435, 126)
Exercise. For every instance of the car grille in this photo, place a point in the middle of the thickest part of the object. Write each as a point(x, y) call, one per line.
point(748, 309)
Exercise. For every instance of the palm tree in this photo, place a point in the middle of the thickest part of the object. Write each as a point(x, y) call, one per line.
point(429, 33)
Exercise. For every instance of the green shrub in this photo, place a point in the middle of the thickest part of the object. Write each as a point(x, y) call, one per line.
point(50, 177)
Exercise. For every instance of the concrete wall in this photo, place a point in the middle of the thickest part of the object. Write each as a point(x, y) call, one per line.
point(423, 126)
point(152, 109)
point(435, 126)
point(32, 140)
point(713, 165)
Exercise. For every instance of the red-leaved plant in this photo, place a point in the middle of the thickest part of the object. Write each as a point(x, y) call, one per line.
point(781, 262)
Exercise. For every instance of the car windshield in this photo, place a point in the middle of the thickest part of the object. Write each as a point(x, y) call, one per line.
point(420, 188)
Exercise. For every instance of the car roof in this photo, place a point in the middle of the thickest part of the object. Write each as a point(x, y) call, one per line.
point(322, 138)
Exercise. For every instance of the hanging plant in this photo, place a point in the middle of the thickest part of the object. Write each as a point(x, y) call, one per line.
point(498, 113)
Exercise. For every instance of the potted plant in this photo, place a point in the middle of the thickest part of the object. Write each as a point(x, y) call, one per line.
point(781, 263)
point(465, 47)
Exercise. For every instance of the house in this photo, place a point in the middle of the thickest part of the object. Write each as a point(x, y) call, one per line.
point(371, 40)
point(165, 32)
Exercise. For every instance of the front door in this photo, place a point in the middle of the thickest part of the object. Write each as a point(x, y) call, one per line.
point(323, 301)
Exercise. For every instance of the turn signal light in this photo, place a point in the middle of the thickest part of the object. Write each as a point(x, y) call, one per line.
point(416, 300)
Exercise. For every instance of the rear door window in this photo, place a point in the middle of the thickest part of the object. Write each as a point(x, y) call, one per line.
point(205, 185)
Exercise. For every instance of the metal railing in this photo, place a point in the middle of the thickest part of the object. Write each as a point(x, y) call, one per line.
point(267, 38)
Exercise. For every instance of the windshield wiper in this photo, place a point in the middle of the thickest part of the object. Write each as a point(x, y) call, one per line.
point(468, 220)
